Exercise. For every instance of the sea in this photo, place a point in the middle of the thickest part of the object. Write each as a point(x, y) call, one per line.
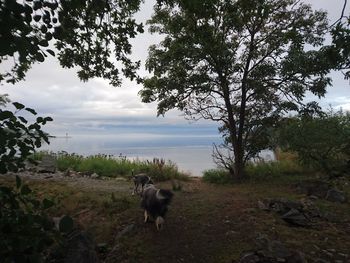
point(191, 153)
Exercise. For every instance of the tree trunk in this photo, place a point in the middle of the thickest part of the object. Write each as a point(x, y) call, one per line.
point(239, 164)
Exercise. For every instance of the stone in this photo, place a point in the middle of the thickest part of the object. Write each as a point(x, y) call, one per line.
point(295, 217)
point(47, 164)
point(263, 206)
point(94, 176)
point(249, 257)
point(125, 231)
point(335, 195)
point(314, 188)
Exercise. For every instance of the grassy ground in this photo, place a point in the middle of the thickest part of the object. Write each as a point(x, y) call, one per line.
point(206, 222)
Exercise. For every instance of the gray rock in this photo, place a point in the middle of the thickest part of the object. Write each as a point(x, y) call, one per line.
point(125, 231)
point(249, 257)
point(80, 249)
point(295, 217)
point(314, 188)
point(94, 176)
point(47, 164)
point(335, 195)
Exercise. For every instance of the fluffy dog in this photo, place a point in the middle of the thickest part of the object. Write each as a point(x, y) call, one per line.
point(155, 204)
point(140, 180)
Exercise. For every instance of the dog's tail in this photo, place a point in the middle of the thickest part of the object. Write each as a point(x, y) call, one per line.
point(165, 195)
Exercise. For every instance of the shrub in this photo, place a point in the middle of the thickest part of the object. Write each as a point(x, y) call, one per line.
point(217, 176)
point(26, 231)
point(321, 141)
point(158, 169)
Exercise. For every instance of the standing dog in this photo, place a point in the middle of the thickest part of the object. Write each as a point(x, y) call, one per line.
point(155, 204)
point(140, 180)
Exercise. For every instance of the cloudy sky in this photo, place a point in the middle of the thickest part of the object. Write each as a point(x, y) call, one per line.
point(96, 107)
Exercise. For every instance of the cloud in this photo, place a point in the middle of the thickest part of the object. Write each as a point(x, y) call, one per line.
point(95, 106)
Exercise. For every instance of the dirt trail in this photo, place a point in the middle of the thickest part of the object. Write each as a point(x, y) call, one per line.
point(205, 223)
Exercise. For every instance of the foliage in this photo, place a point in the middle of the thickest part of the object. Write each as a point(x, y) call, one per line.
point(320, 140)
point(18, 138)
point(111, 166)
point(87, 34)
point(26, 230)
point(217, 176)
point(258, 171)
point(240, 63)
point(338, 52)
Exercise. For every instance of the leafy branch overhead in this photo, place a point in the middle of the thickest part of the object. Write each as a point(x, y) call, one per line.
point(92, 35)
point(18, 137)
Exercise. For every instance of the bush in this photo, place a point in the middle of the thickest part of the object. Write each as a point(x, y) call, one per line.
point(26, 231)
point(110, 166)
point(217, 176)
point(270, 170)
point(321, 141)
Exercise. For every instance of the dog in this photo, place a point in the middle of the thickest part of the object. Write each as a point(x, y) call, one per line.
point(155, 204)
point(140, 180)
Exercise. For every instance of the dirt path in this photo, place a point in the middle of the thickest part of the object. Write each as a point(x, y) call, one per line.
point(205, 223)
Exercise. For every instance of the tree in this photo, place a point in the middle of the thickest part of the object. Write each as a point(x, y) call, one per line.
point(240, 63)
point(339, 51)
point(321, 140)
point(90, 34)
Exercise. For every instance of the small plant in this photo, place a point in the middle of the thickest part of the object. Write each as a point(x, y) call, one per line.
point(176, 185)
point(26, 231)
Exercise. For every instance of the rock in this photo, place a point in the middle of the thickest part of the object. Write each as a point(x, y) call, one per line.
point(125, 231)
point(314, 188)
point(81, 249)
point(295, 217)
point(279, 250)
point(249, 257)
point(78, 247)
point(47, 164)
point(94, 176)
point(335, 195)
point(263, 206)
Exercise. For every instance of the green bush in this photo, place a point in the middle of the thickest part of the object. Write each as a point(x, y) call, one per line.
point(26, 230)
point(270, 170)
point(217, 176)
point(321, 140)
point(103, 165)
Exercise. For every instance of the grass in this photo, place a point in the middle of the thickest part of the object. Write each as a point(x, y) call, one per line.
point(111, 166)
point(285, 167)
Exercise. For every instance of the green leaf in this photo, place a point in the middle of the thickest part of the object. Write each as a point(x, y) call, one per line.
point(22, 119)
point(48, 203)
point(40, 57)
point(18, 182)
point(25, 190)
point(5, 115)
point(66, 224)
point(50, 52)
point(18, 105)
point(31, 111)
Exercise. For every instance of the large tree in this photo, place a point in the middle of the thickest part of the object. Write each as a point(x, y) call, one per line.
point(91, 34)
point(241, 63)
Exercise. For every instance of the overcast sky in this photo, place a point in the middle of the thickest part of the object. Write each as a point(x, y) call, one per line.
point(95, 106)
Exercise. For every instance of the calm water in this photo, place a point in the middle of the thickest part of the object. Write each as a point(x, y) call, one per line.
point(191, 153)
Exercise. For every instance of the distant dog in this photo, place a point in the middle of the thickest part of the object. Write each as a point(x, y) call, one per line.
point(155, 204)
point(140, 180)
